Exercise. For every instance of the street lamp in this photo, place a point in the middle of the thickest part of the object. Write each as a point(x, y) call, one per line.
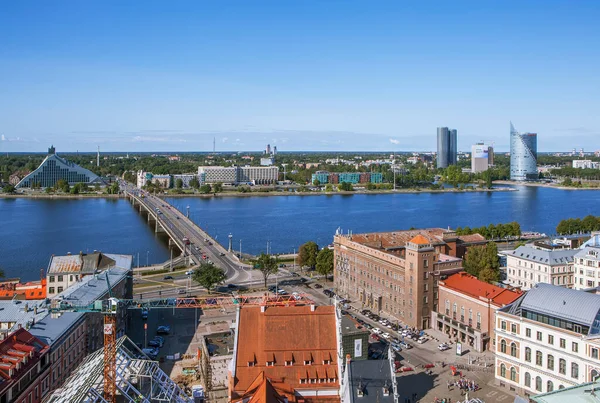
point(147, 258)
point(188, 212)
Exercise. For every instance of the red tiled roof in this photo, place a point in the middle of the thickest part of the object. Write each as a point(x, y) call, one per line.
point(293, 333)
point(470, 285)
point(261, 391)
point(398, 239)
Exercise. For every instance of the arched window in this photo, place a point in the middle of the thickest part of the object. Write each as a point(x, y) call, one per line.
point(561, 387)
point(538, 358)
point(503, 371)
point(513, 349)
point(551, 362)
point(574, 370)
point(562, 366)
point(503, 346)
point(538, 383)
point(549, 386)
point(527, 354)
point(513, 374)
point(527, 379)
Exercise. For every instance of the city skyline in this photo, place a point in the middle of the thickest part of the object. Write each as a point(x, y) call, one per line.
point(296, 75)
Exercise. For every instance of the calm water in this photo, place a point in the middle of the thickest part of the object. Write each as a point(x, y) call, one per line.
point(32, 230)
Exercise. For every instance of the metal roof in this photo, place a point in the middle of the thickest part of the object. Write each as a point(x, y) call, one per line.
point(574, 394)
point(88, 263)
point(572, 305)
point(371, 376)
point(589, 253)
point(543, 256)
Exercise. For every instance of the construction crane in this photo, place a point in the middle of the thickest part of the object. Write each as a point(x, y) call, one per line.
point(109, 308)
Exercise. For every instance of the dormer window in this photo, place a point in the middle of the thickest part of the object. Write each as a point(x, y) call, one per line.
point(250, 363)
point(326, 362)
point(270, 363)
point(288, 363)
point(307, 362)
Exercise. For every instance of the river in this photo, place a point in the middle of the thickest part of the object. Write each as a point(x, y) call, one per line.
point(32, 230)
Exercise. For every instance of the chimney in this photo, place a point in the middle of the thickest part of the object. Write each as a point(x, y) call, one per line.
point(312, 307)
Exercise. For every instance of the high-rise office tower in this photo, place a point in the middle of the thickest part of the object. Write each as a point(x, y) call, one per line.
point(482, 156)
point(447, 147)
point(523, 155)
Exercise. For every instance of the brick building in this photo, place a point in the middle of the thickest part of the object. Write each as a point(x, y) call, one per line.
point(24, 368)
point(467, 307)
point(397, 273)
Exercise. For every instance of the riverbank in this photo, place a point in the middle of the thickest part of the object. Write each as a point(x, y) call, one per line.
point(59, 196)
point(543, 185)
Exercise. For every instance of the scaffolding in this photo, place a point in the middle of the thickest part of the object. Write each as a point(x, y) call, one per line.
point(137, 380)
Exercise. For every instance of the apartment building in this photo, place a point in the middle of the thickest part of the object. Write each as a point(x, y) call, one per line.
point(467, 307)
point(266, 175)
point(528, 265)
point(548, 339)
point(397, 273)
point(65, 271)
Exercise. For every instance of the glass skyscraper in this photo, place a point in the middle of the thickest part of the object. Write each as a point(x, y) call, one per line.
point(523, 155)
point(447, 147)
point(54, 168)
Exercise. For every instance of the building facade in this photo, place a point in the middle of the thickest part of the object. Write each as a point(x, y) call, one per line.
point(397, 273)
point(447, 147)
point(586, 164)
point(258, 175)
point(528, 265)
point(55, 168)
point(548, 340)
point(587, 267)
point(523, 155)
point(24, 368)
point(482, 157)
point(185, 178)
point(354, 178)
point(467, 308)
point(142, 178)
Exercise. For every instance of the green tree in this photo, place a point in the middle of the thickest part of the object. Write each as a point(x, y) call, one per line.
point(8, 189)
point(267, 265)
point(179, 183)
point(479, 258)
point(307, 254)
point(205, 189)
point(371, 186)
point(218, 187)
point(317, 182)
point(194, 183)
point(489, 276)
point(329, 187)
point(346, 186)
point(208, 276)
point(63, 186)
point(113, 189)
point(325, 262)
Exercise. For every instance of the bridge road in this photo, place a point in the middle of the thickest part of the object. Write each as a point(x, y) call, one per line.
point(201, 243)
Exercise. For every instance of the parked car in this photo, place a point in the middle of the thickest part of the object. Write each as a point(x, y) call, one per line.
point(377, 330)
point(181, 291)
point(443, 347)
point(317, 286)
point(232, 286)
point(165, 329)
point(405, 345)
point(221, 254)
point(422, 340)
point(365, 312)
point(386, 335)
point(395, 340)
point(189, 272)
point(168, 278)
point(282, 292)
point(396, 348)
point(152, 353)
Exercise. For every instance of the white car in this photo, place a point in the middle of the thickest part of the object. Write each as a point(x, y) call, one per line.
point(189, 272)
point(386, 335)
point(376, 330)
point(422, 340)
point(443, 347)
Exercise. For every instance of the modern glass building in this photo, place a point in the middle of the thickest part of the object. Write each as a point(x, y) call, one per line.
point(447, 147)
point(523, 155)
point(54, 168)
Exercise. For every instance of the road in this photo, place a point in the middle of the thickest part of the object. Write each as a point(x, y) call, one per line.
point(201, 244)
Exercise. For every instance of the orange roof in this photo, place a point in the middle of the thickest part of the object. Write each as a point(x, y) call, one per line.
point(280, 335)
point(470, 285)
point(398, 239)
point(420, 240)
point(261, 391)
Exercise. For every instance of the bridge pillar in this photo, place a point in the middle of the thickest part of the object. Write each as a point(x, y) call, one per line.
point(158, 228)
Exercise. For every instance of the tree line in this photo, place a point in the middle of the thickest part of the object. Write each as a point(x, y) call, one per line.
point(577, 225)
point(497, 231)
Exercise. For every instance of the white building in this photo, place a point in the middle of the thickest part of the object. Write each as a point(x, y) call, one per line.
point(266, 162)
point(218, 174)
point(547, 340)
point(236, 175)
point(586, 164)
point(528, 265)
point(258, 175)
point(587, 264)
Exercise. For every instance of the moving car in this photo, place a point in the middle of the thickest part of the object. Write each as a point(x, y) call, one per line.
point(405, 345)
point(189, 272)
point(168, 278)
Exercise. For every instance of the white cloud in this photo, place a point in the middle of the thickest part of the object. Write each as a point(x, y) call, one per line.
point(225, 139)
point(394, 141)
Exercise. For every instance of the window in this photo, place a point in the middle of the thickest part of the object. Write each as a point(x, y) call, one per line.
point(528, 332)
point(574, 370)
point(513, 328)
point(478, 320)
point(503, 371)
point(503, 346)
point(562, 366)
point(550, 339)
point(503, 325)
point(538, 358)
point(270, 363)
point(563, 343)
point(538, 383)
point(549, 386)
point(539, 336)
point(288, 363)
point(60, 279)
point(51, 290)
point(513, 374)
point(551, 362)
point(575, 347)
point(59, 290)
point(595, 353)
point(52, 279)
point(527, 354)
point(527, 379)
point(513, 349)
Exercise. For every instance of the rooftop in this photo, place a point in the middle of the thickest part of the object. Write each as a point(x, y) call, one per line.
point(88, 263)
point(371, 376)
point(544, 256)
point(574, 394)
point(399, 239)
point(350, 326)
point(470, 285)
point(575, 306)
point(281, 335)
point(18, 354)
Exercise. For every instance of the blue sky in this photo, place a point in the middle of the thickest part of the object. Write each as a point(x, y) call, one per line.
point(302, 75)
